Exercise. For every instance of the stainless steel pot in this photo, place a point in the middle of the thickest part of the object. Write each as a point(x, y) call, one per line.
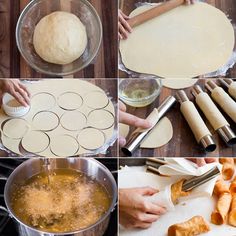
point(89, 166)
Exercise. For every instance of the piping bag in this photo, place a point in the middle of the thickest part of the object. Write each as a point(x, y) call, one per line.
point(227, 104)
point(201, 132)
point(214, 116)
point(154, 12)
point(154, 117)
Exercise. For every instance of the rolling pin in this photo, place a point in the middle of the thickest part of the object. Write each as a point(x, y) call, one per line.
point(201, 132)
point(230, 85)
point(154, 117)
point(227, 104)
point(154, 12)
point(214, 116)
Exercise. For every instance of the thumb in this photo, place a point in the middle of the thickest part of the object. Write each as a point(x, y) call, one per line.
point(147, 191)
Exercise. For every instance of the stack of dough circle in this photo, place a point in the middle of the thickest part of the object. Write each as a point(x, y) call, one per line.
point(70, 101)
point(15, 128)
point(64, 145)
point(100, 119)
point(35, 141)
point(66, 118)
point(45, 121)
point(185, 42)
point(91, 138)
point(78, 118)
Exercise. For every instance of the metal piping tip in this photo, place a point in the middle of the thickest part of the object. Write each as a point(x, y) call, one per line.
point(227, 134)
point(208, 143)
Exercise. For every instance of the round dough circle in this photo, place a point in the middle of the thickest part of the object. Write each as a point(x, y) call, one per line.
point(42, 101)
point(100, 119)
point(96, 100)
point(60, 38)
point(15, 128)
point(187, 41)
point(91, 139)
point(45, 121)
point(64, 145)
point(161, 134)
point(70, 101)
point(73, 120)
point(35, 141)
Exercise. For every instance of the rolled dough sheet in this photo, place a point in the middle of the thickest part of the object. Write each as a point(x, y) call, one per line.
point(178, 83)
point(123, 130)
point(185, 42)
point(48, 97)
point(161, 134)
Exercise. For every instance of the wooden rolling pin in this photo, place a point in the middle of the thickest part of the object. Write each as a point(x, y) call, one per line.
point(154, 12)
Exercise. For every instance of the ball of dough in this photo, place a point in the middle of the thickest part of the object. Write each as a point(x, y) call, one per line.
point(60, 38)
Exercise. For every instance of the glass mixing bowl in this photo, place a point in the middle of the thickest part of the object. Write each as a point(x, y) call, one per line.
point(35, 11)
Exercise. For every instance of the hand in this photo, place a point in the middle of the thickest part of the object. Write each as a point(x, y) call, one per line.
point(16, 89)
point(135, 211)
point(131, 120)
point(203, 161)
point(123, 25)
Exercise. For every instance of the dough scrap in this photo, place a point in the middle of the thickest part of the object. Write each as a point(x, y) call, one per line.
point(64, 145)
point(96, 100)
point(91, 139)
point(15, 128)
point(78, 118)
point(100, 119)
point(178, 83)
point(185, 42)
point(45, 121)
point(123, 130)
point(69, 101)
point(35, 141)
point(161, 134)
point(60, 38)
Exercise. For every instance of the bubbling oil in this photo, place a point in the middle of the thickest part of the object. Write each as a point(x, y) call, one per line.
point(70, 201)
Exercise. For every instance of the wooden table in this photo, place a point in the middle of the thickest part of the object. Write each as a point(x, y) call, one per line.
point(110, 87)
point(12, 65)
point(183, 143)
point(229, 7)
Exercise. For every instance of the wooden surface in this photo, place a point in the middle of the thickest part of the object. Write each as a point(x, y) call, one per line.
point(183, 143)
point(227, 6)
point(110, 87)
point(12, 65)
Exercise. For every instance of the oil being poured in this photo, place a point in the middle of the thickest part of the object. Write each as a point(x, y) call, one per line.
point(60, 200)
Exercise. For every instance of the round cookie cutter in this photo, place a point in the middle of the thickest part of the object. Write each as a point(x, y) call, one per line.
point(16, 110)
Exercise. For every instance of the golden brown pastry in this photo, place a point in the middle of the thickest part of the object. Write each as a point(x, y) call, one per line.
point(232, 187)
point(176, 191)
point(195, 226)
point(221, 190)
point(228, 168)
point(232, 213)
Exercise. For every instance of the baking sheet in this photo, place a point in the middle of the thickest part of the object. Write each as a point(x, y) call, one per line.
point(186, 209)
point(220, 72)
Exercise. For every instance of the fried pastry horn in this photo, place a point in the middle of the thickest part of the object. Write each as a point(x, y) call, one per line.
point(195, 226)
point(232, 187)
point(232, 213)
point(228, 168)
point(176, 191)
point(221, 190)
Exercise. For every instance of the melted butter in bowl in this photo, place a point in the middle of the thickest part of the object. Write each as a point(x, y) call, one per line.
point(63, 201)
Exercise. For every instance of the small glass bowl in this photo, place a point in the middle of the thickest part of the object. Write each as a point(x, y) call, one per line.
point(139, 92)
point(35, 11)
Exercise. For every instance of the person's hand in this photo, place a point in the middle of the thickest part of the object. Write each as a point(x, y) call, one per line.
point(203, 161)
point(16, 89)
point(135, 211)
point(131, 120)
point(123, 25)
point(189, 2)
